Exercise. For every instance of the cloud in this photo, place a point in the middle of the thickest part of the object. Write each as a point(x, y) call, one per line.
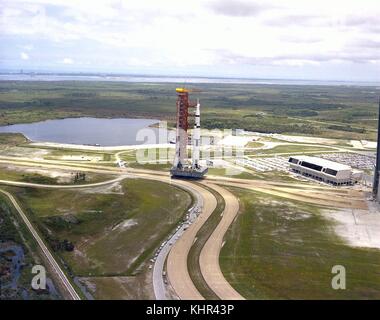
point(67, 61)
point(24, 56)
point(116, 35)
point(297, 59)
point(237, 8)
point(365, 43)
point(300, 20)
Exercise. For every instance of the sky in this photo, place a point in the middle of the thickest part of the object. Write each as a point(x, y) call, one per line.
point(284, 39)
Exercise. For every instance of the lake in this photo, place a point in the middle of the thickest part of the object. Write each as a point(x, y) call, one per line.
point(85, 131)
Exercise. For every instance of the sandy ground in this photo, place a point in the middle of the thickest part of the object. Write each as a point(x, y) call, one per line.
point(363, 144)
point(328, 197)
point(120, 287)
point(31, 153)
point(369, 144)
point(81, 158)
point(359, 228)
point(236, 141)
point(114, 188)
point(356, 144)
point(126, 224)
point(99, 148)
point(60, 175)
point(304, 139)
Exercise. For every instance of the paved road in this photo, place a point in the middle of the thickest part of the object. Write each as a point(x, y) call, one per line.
point(158, 279)
point(209, 256)
point(54, 265)
point(330, 198)
point(61, 186)
point(177, 270)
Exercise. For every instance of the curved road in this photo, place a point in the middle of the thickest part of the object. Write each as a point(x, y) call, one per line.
point(159, 286)
point(59, 186)
point(209, 257)
point(177, 270)
point(49, 257)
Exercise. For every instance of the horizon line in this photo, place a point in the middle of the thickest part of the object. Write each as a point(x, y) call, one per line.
point(100, 73)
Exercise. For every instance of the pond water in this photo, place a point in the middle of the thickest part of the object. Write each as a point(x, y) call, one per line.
point(84, 131)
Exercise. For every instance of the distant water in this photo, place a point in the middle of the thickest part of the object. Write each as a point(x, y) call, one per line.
point(91, 131)
point(170, 79)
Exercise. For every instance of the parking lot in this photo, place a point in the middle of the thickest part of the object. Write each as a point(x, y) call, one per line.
point(265, 164)
point(355, 160)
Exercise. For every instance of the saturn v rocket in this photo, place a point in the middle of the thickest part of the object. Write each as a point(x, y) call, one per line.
point(181, 166)
point(196, 138)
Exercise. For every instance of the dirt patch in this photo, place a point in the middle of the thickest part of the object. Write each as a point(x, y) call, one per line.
point(82, 158)
point(359, 228)
point(130, 288)
point(61, 176)
point(30, 153)
point(114, 188)
point(124, 225)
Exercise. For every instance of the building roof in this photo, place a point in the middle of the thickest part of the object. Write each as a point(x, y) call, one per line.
point(324, 163)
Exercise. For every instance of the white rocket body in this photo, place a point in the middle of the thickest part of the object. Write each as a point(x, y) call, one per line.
point(196, 137)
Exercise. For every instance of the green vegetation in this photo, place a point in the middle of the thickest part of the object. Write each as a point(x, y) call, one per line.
point(233, 173)
point(18, 175)
point(78, 155)
point(346, 128)
point(114, 229)
point(11, 139)
point(269, 175)
point(15, 236)
point(152, 158)
point(329, 111)
point(280, 249)
point(159, 166)
point(26, 174)
point(117, 288)
point(254, 144)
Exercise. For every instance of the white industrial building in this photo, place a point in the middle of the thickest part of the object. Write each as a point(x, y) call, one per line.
point(325, 170)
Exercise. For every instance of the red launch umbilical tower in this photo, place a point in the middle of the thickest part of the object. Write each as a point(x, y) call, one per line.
point(181, 167)
point(183, 105)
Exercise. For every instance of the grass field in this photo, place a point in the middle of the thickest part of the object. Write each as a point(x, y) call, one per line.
point(41, 176)
point(114, 229)
point(13, 233)
point(116, 288)
point(254, 144)
point(270, 175)
point(280, 249)
point(84, 156)
point(329, 111)
point(11, 139)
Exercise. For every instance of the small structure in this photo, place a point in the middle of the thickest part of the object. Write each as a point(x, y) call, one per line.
point(325, 170)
